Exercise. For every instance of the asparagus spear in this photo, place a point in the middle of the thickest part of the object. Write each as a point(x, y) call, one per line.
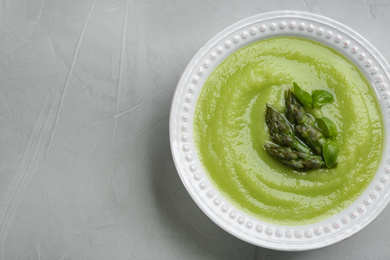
point(305, 127)
point(297, 160)
point(281, 131)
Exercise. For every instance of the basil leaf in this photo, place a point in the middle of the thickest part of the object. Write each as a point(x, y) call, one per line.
point(328, 128)
point(330, 151)
point(303, 96)
point(321, 97)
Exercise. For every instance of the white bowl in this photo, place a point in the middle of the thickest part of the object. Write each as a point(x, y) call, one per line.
point(280, 23)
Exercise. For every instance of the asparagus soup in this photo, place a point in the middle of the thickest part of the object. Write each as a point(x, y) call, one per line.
point(230, 130)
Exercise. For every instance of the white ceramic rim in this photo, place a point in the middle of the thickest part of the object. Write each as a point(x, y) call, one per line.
point(272, 24)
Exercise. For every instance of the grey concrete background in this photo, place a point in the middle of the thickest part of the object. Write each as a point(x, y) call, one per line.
point(85, 93)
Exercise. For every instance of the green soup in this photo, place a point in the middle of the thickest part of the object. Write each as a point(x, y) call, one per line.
point(230, 130)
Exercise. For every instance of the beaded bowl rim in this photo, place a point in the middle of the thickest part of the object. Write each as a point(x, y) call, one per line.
point(262, 26)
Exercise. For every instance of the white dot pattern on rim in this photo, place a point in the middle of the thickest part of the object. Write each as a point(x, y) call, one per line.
point(368, 63)
point(310, 26)
point(327, 229)
point(298, 234)
point(249, 224)
point(308, 234)
point(224, 208)
point(185, 148)
point(259, 228)
point(210, 194)
point(253, 30)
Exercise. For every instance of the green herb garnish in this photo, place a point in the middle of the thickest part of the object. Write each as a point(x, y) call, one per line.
point(317, 99)
point(321, 97)
point(328, 128)
point(330, 152)
point(305, 98)
point(302, 142)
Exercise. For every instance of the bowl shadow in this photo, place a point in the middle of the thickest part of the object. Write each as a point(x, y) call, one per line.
point(179, 214)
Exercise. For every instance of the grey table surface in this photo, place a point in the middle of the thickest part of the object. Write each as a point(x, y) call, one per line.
point(85, 164)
